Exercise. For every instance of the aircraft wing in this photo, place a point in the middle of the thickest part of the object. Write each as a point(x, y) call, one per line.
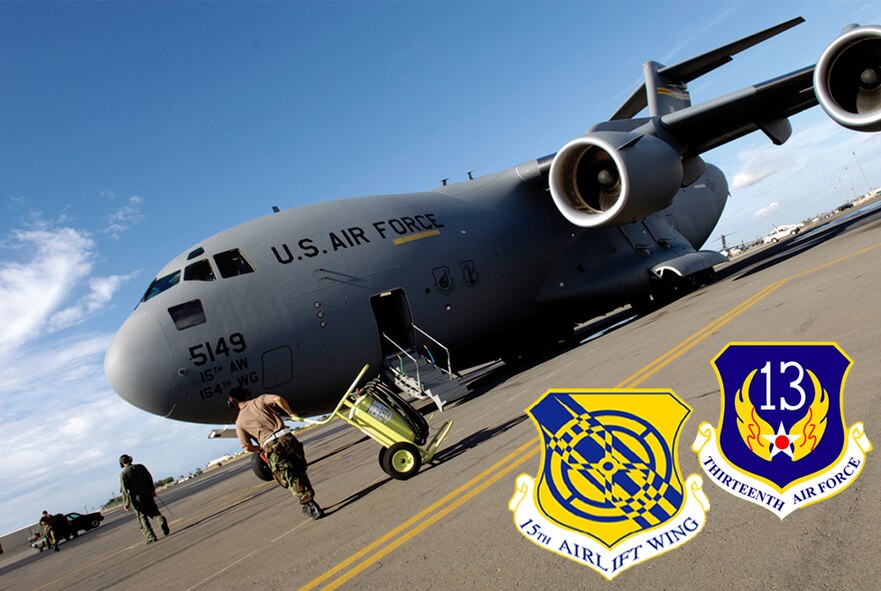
point(625, 169)
point(764, 106)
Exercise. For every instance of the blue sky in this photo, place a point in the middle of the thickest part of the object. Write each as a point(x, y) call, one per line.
point(131, 131)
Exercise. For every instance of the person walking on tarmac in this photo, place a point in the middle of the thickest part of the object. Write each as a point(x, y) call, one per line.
point(139, 493)
point(258, 421)
point(47, 523)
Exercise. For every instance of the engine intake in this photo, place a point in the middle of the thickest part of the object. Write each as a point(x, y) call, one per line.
point(847, 79)
point(612, 178)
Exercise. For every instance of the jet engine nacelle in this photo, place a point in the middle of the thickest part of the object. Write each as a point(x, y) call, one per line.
point(607, 178)
point(847, 79)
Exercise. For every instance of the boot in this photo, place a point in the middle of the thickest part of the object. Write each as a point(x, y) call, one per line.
point(311, 509)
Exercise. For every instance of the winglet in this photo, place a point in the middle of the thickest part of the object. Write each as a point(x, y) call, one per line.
point(693, 68)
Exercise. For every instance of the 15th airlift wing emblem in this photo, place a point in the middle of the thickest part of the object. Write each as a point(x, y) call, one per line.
point(609, 494)
point(782, 441)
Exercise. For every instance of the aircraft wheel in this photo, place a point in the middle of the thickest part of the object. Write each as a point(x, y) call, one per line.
point(261, 468)
point(402, 461)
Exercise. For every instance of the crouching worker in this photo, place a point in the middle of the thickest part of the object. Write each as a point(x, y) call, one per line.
point(47, 523)
point(257, 421)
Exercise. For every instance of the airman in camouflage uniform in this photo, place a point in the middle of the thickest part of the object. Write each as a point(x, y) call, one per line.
point(257, 421)
point(47, 524)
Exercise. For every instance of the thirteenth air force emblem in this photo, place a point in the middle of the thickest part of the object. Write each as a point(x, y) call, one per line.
point(609, 494)
point(782, 441)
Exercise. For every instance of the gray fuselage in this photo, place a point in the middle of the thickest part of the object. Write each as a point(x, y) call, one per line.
point(482, 266)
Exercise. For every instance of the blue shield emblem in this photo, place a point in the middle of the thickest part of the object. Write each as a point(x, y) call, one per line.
point(782, 441)
point(782, 417)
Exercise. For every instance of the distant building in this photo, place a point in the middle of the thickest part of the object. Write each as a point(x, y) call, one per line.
point(218, 462)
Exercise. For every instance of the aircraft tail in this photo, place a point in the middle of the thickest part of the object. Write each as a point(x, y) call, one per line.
point(664, 90)
point(663, 94)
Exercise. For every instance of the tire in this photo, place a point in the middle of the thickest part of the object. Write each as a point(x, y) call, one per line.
point(261, 468)
point(382, 451)
point(95, 523)
point(402, 461)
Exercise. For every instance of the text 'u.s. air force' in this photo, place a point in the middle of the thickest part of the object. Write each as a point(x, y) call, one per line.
point(394, 229)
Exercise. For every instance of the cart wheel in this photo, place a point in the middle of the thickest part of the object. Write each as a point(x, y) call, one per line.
point(402, 461)
point(382, 451)
point(261, 468)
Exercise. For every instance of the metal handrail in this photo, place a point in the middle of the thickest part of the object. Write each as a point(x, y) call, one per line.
point(439, 344)
point(413, 359)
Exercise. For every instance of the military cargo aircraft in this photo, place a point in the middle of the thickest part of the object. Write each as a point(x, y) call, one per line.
point(421, 285)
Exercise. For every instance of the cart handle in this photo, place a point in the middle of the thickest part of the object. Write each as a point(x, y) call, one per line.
point(339, 405)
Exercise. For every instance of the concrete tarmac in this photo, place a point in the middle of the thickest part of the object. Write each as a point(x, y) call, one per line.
point(450, 527)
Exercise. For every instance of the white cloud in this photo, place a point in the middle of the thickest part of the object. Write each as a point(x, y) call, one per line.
point(101, 290)
point(766, 211)
point(30, 291)
point(120, 220)
point(746, 178)
point(60, 412)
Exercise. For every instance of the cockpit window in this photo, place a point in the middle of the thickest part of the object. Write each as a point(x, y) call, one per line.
point(196, 252)
point(232, 263)
point(199, 271)
point(160, 284)
point(187, 314)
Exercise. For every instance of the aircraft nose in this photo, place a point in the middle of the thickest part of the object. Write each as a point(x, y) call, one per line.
point(138, 365)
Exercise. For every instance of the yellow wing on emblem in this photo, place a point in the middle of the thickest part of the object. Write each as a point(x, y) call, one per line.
point(750, 424)
point(812, 426)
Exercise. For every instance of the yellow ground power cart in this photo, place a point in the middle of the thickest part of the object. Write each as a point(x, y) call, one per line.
point(384, 416)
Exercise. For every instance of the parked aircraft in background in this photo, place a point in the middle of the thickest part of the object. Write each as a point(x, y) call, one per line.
point(418, 285)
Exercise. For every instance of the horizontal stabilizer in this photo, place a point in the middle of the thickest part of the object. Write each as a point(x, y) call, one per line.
point(696, 67)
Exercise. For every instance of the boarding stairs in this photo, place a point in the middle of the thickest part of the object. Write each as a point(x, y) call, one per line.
point(418, 374)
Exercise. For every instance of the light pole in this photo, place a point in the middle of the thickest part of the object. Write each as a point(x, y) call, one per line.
point(868, 186)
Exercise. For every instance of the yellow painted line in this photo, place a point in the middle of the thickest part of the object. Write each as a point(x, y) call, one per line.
point(413, 520)
point(412, 527)
point(680, 349)
point(412, 237)
point(677, 351)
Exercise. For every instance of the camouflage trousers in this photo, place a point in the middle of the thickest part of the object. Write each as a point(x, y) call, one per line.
point(51, 536)
point(287, 461)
